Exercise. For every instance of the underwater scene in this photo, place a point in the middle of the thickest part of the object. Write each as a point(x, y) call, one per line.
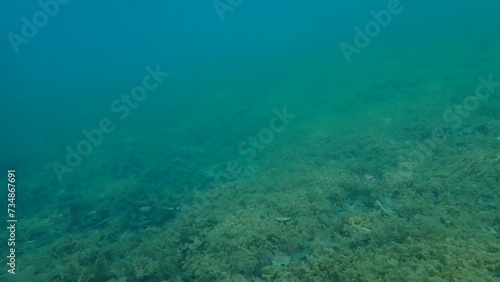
point(250, 141)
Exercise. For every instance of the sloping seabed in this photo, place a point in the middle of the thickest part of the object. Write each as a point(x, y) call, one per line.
point(353, 195)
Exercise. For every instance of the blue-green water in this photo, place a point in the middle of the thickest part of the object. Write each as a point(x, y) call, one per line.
point(251, 141)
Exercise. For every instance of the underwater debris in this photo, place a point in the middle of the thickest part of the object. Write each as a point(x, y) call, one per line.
point(367, 230)
point(367, 177)
point(281, 259)
point(301, 255)
point(283, 219)
point(385, 209)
